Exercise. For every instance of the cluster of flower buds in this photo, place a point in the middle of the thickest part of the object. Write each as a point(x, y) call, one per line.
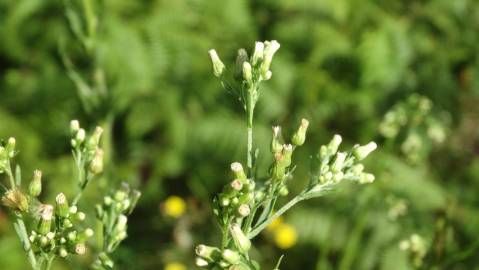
point(87, 148)
point(417, 248)
point(7, 151)
point(113, 214)
point(283, 153)
point(229, 258)
point(238, 196)
point(417, 125)
point(57, 230)
point(251, 70)
point(335, 165)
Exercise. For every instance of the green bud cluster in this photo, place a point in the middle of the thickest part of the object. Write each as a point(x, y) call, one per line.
point(414, 126)
point(417, 248)
point(113, 213)
point(214, 258)
point(87, 148)
point(283, 153)
point(249, 72)
point(7, 152)
point(335, 166)
point(238, 196)
point(57, 230)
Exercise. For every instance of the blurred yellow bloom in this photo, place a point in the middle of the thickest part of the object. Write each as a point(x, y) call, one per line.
point(175, 266)
point(285, 236)
point(174, 206)
point(275, 224)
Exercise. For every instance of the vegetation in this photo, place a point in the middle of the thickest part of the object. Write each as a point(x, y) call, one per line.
point(403, 74)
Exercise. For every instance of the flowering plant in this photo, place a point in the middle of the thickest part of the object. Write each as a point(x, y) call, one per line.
point(60, 230)
point(246, 206)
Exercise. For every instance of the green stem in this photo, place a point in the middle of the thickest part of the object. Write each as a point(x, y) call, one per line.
point(249, 123)
point(225, 232)
point(23, 235)
point(281, 211)
point(49, 262)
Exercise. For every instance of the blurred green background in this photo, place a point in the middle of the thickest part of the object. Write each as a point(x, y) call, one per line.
point(402, 73)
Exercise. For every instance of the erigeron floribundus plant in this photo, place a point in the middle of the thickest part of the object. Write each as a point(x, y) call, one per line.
point(412, 124)
point(59, 229)
point(246, 206)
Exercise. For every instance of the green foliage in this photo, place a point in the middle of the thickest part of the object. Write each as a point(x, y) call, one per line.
point(346, 64)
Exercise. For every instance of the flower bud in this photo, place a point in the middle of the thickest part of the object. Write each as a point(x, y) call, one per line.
point(357, 169)
point(238, 171)
point(62, 209)
point(80, 136)
point(300, 136)
point(258, 53)
point(73, 209)
point(243, 210)
point(107, 200)
point(94, 140)
point(243, 244)
point(15, 200)
point(247, 73)
point(80, 216)
point(366, 178)
point(96, 165)
point(121, 223)
point(287, 154)
point(276, 146)
point(338, 162)
point(338, 176)
point(268, 75)
point(361, 152)
point(283, 191)
point(269, 50)
point(334, 144)
point(74, 126)
point(50, 235)
point(231, 256)
point(218, 66)
point(278, 170)
point(67, 223)
point(11, 146)
point(35, 187)
point(83, 236)
point(62, 252)
point(236, 185)
point(207, 252)
point(258, 196)
point(46, 216)
point(200, 262)
point(80, 249)
point(224, 201)
point(72, 236)
point(240, 59)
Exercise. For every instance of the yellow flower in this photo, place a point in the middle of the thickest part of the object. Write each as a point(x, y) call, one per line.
point(174, 206)
point(285, 236)
point(275, 224)
point(175, 266)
